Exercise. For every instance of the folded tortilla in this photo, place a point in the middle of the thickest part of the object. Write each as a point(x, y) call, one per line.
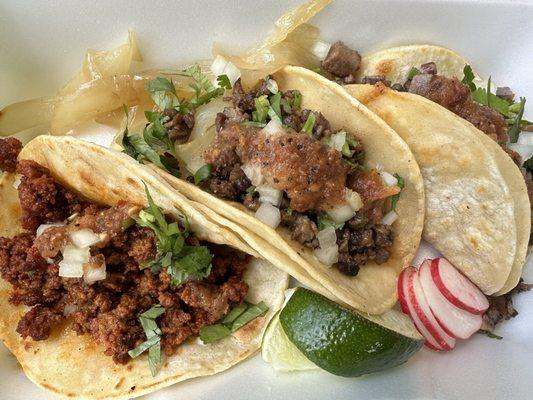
point(373, 290)
point(73, 366)
point(477, 207)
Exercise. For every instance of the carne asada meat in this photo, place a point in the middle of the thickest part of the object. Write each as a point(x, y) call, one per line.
point(312, 176)
point(342, 62)
point(107, 309)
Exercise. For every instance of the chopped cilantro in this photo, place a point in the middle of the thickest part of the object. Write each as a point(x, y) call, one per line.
point(309, 123)
point(396, 197)
point(412, 72)
point(514, 130)
point(180, 260)
point(274, 111)
point(223, 81)
point(324, 222)
point(233, 321)
point(250, 190)
point(468, 78)
point(261, 109)
point(203, 173)
point(481, 96)
point(153, 338)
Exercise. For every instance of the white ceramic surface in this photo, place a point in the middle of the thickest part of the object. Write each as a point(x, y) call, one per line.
point(42, 44)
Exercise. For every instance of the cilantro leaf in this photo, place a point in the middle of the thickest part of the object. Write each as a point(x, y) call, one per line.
point(233, 321)
point(325, 222)
point(153, 338)
point(262, 106)
point(161, 84)
point(488, 99)
point(181, 261)
point(309, 123)
point(203, 173)
point(396, 197)
point(468, 78)
point(274, 112)
point(515, 129)
point(223, 81)
point(412, 72)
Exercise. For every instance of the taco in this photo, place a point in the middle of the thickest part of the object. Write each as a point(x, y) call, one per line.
point(312, 173)
point(477, 205)
point(112, 284)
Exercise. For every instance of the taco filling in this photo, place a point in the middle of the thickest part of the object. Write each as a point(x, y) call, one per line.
point(130, 278)
point(292, 169)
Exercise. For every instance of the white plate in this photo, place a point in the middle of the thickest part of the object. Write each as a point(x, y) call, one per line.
point(42, 45)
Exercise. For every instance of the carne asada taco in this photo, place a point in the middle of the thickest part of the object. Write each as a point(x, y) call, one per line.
point(477, 205)
point(301, 165)
point(112, 284)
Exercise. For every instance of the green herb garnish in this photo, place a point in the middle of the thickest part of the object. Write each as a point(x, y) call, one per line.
point(412, 72)
point(262, 106)
point(180, 260)
point(468, 78)
point(515, 129)
point(203, 173)
point(250, 190)
point(396, 197)
point(153, 338)
point(325, 222)
point(491, 335)
point(223, 81)
point(309, 123)
point(274, 111)
point(234, 320)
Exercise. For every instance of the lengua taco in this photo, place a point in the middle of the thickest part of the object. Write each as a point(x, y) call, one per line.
point(332, 192)
point(477, 205)
point(113, 285)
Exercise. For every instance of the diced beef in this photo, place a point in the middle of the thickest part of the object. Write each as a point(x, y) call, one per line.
point(429, 68)
point(505, 92)
point(9, 151)
point(373, 79)
point(341, 61)
point(179, 126)
point(304, 231)
point(455, 96)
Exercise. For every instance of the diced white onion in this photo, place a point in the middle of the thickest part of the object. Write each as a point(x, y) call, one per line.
point(327, 256)
point(69, 310)
point(73, 254)
point(44, 227)
point(221, 66)
point(272, 86)
point(327, 237)
point(379, 167)
point(353, 199)
point(268, 194)
point(70, 270)
point(273, 128)
point(337, 140)
point(253, 172)
point(320, 49)
point(525, 150)
point(16, 181)
point(525, 138)
point(388, 179)
point(84, 238)
point(93, 272)
point(341, 213)
point(389, 218)
point(268, 214)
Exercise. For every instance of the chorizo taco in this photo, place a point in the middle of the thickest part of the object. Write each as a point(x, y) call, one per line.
point(334, 194)
point(112, 284)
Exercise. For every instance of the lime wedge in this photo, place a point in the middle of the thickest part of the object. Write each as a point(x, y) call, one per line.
point(278, 350)
point(344, 342)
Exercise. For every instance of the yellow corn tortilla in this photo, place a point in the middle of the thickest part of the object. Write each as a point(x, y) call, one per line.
point(477, 207)
point(396, 62)
point(373, 290)
point(73, 366)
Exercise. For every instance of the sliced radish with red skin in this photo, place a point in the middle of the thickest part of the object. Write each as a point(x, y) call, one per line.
point(406, 304)
point(456, 322)
point(423, 312)
point(457, 288)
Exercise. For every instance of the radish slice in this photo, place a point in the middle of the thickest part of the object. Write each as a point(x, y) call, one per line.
point(423, 311)
point(456, 322)
point(407, 307)
point(457, 288)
